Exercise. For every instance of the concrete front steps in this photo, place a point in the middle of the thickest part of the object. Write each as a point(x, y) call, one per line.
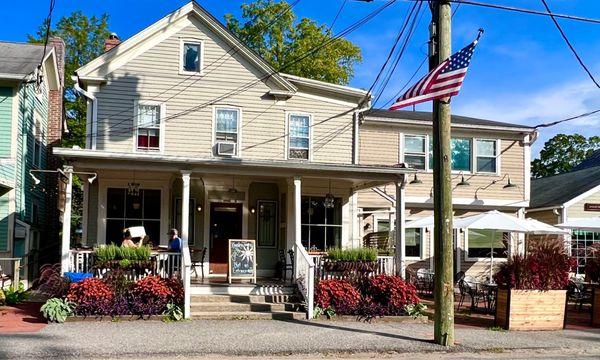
point(246, 307)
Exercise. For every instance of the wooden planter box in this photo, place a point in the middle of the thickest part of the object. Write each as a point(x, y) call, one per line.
point(531, 309)
point(596, 306)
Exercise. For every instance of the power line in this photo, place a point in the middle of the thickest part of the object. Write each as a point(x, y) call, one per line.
point(409, 35)
point(248, 85)
point(522, 10)
point(47, 35)
point(567, 119)
point(337, 15)
point(566, 39)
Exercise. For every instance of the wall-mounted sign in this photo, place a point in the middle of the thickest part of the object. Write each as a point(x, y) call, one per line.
point(591, 207)
point(242, 259)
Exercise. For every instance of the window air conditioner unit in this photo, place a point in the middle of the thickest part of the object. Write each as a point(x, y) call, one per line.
point(226, 148)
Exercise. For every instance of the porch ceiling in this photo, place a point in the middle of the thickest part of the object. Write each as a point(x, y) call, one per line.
point(361, 176)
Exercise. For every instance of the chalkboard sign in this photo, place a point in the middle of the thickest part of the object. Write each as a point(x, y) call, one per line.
point(242, 259)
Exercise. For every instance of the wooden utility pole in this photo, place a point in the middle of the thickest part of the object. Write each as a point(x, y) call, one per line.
point(442, 188)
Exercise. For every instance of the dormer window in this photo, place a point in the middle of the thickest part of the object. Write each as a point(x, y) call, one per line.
point(191, 57)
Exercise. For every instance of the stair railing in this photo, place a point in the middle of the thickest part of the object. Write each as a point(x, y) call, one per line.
point(304, 274)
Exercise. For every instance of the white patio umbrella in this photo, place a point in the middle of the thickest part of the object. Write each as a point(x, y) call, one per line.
point(493, 220)
point(541, 228)
point(424, 222)
point(588, 224)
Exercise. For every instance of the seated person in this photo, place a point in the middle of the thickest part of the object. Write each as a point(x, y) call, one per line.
point(174, 241)
point(127, 239)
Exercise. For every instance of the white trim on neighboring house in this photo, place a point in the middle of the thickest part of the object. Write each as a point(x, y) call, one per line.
point(15, 125)
point(165, 195)
point(163, 114)
point(238, 150)
point(193, 41)
point(288, 114)
point(397, 121)
point(582, 196)
point(498, 156)
point(325, 99)
point(546, 208)
point(317, 84)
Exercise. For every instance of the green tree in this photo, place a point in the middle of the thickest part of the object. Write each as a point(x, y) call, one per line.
point(84, 40)
point(266, 27)
point(561, 153)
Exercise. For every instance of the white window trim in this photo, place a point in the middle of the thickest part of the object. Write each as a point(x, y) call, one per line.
point(421, 248)
point(475, 155)
point(403, 152)
point(465, 233)
point(161, 139)
point(198, 42)
point(34, 203)
point(288, 115)
point(238, 152)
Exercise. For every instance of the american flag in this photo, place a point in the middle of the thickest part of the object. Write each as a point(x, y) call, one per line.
point(443, 81)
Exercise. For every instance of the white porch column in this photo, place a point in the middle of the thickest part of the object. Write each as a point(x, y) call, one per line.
point(400, 227)
point(66, 221)
point(185, 208)
point(297, 211)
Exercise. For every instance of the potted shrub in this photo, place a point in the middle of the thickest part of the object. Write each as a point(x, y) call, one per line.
point(592, 274)
point(361, 260)
point(532, 289)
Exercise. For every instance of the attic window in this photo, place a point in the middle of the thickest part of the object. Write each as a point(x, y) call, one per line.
point(191, 57)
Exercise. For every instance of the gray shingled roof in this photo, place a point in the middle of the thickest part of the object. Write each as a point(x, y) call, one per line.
point(592, 160)
point(557, 189)
point(19, 58)
point(426, 117)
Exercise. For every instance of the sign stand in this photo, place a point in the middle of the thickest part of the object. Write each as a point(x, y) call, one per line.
point(241, 260)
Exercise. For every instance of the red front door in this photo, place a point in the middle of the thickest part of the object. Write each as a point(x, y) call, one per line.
point(225, 224)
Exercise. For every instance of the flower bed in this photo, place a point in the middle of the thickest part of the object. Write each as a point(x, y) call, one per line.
point(371, 297)
point(115, 296)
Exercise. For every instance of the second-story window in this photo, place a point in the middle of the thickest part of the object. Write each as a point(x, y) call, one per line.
point(38, 138)
point(414, 151)
point(227, 127)
point(148, 126)
point(299, 137)
point(191, 61)
point(461, 154)
point(486, 155)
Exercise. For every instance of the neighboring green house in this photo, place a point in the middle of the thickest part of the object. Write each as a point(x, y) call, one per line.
point(30, 122)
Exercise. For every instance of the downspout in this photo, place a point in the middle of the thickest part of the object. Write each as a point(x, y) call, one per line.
point(92, 124)
point(356, 118)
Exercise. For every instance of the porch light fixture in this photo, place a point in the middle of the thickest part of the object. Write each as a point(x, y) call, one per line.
point(92, 178)
point(199, 208)
point(463, 181)
point(416, 180)
point(329, 201)
point(36, 181)
point(509, 184)
point(133, 188)
point(252, 210)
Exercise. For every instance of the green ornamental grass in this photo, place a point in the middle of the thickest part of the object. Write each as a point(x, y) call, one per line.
point(358, 254)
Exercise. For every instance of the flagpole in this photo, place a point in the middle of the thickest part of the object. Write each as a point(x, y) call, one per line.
point(442, 198)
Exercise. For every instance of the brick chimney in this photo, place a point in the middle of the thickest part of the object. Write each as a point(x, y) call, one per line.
point(55, 99)
point(112, 41)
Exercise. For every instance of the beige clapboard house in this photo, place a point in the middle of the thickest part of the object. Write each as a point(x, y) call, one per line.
point(189, 129)
point(490, 162)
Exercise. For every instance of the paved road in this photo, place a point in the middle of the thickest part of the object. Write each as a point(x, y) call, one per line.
point(155, 339)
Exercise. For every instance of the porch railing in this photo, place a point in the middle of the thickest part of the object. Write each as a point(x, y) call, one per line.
point(304, 273)
point(385, 265)
point(9, 272)
point(165, 264)
point(186, 273)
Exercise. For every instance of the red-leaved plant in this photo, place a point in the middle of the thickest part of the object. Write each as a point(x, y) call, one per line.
point(340, 295)
point(92, 296)
point(388, 295)
point(592, 264)
point(150, 296)
point(546, 267)
point(176, 287)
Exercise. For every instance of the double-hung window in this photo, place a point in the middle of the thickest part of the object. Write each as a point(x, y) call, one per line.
point(38, 139)
point(321, 226)
point(486, 155)
point(414, 151)
point(149, 119)
point(227, 126)
point(299, 137)
point(413, 243)
point(461, 154)
point(191, 57)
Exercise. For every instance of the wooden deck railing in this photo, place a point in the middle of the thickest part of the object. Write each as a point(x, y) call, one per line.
point(385, 265)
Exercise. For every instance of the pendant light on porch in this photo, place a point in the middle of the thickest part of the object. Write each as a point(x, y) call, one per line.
point(329, 201)
point(133, 188)
point(232, 189)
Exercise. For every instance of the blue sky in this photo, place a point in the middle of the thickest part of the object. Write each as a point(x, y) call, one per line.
point(522, 72)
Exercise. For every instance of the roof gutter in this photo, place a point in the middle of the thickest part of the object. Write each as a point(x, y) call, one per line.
point(92, 115)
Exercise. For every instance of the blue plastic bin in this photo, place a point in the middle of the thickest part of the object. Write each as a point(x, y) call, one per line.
point(77, 277)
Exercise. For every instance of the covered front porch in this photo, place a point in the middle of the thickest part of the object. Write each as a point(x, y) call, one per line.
point(287, 208)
